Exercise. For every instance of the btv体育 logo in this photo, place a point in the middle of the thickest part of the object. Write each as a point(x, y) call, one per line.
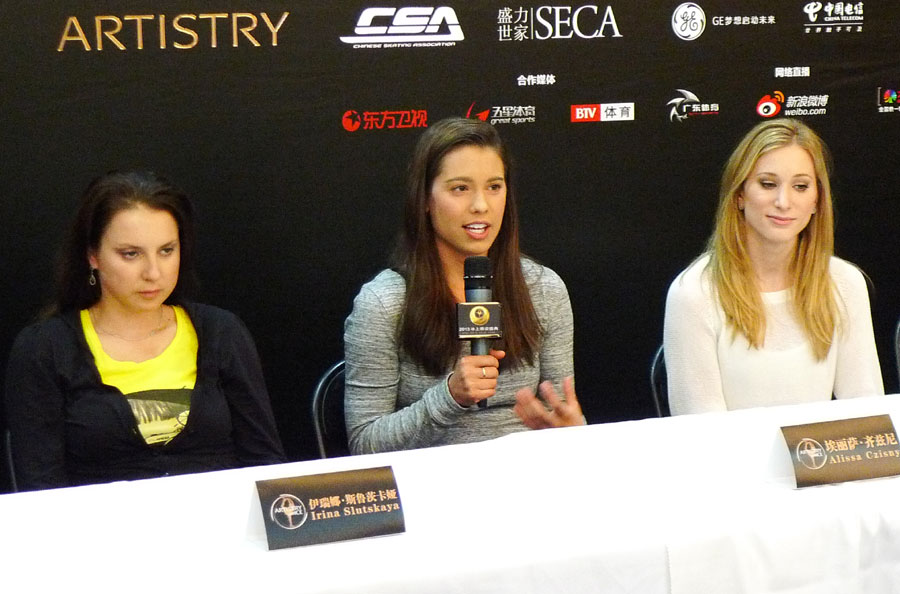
point(603, 112)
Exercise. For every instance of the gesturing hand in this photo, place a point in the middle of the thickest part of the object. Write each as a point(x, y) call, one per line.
point(561, 414)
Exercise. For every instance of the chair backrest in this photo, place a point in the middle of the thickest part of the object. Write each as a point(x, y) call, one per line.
point(10, 468)
point(659, 383)
point(897, 348)
point(328, 413)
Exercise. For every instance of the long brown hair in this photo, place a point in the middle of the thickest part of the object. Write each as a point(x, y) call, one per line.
point(428, 332)
point(731, 272)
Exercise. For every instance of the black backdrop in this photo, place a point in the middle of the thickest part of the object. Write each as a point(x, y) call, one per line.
point(296, 211)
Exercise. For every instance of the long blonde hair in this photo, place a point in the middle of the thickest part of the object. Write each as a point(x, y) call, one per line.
point(729, 266)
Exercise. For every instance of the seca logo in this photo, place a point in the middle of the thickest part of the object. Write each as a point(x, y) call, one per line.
point(586, 113)
point(411, 23)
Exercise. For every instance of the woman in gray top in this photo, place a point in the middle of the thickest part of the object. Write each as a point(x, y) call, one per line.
point(409, 382)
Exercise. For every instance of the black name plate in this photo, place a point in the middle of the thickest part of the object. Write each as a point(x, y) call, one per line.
point(321, 508)
point(479, 320)
point(845, 450)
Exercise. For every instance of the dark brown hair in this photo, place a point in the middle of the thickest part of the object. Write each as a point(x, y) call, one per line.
point(428, 332)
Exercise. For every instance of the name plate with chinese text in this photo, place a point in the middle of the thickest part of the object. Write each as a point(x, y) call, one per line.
point(479, 320)
point(844, 450)
point(329, 507)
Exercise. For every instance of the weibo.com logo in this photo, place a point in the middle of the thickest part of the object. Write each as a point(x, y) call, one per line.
point(410, 24)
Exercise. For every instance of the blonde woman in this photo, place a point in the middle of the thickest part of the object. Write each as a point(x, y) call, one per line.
point(768, 315)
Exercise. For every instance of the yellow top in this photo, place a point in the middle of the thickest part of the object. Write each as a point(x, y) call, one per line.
point(158, 389)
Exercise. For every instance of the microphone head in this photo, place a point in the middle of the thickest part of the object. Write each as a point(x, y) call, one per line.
point(478, 272)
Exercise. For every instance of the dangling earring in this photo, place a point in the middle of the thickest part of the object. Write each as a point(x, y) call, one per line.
point(92, 280)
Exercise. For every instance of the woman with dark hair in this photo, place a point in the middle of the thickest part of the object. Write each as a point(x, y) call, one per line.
point(768, 315)
point(125, 378)
point(409, 382)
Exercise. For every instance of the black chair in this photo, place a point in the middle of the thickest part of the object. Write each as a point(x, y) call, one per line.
point(10, 468)
point(897, 347)
point(658, 383)
point(328, 413)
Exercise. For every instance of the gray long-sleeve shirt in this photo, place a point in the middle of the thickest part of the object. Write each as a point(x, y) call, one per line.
point(391, 403)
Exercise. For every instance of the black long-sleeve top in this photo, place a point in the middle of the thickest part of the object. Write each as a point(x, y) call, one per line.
point(69, 428)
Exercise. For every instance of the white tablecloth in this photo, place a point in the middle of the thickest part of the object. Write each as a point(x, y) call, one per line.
point(694, 504)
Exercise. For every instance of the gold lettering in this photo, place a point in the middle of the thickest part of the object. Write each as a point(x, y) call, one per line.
point(245, 30)
point(139, 24)
point(274, 29)
point(111, 35)
point(108, 28)
point(78, 36)
point(212, 23)
point(176, 23)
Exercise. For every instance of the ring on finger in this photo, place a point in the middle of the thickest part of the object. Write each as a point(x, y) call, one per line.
point(483, 373)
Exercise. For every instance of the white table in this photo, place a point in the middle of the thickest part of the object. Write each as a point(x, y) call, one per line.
point(695, 504)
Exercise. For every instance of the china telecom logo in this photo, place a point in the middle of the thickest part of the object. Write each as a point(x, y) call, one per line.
point(770, 105)
point(688, 21)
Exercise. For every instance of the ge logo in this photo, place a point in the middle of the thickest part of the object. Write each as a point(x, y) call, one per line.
point(770, 105)
point(688, 21)
point(811, 454)
point(480, 315)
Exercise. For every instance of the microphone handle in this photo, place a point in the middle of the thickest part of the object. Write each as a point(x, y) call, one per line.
point(480, 346)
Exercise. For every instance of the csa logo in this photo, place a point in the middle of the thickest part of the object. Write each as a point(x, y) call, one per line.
point(288, 512)
point(410, 26)
point(688, 21)
point(770, 106)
